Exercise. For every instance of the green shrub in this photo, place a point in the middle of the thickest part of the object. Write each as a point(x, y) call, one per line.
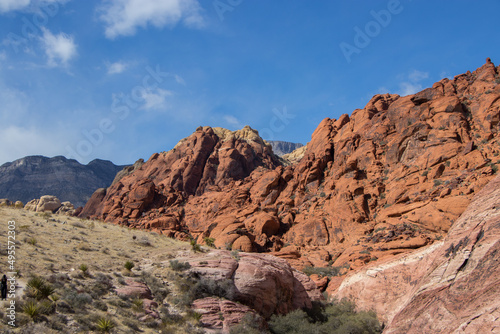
point(179, 266)
point(322, 271)
point(195, 246)
point(129, 265)
point(209, 241)
point(333, 318)
point(84, 268)
point(77, 300)
point(213, 288)
point(158, 289)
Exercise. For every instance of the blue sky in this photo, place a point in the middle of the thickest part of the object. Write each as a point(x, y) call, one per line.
point(122, 79)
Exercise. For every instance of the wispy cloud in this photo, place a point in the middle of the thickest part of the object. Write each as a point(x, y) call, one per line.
point(408, 88)
point(25, 141)
point(413, 83)
point(231, 120)
point(155, 100)
point(117, 68)
point(60, 49)
point(416, 76)
point(123, 17)
point(12, 5)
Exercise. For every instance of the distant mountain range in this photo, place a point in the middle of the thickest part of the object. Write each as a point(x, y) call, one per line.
point(281, 148)
point(34, 176)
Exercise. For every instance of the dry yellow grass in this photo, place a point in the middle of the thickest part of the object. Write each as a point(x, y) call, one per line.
point(51, 244)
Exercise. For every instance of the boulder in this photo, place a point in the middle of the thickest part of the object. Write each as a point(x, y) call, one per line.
point(221, 314)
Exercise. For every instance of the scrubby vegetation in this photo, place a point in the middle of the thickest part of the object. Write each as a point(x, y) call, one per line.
point(331, 318)
point(80, 269)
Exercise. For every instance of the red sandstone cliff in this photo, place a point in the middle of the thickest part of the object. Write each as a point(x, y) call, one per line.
point(388, 179)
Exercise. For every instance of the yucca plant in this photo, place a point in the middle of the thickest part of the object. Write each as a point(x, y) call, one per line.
point(38, 288)
point(138, 304)
point(31, 308)
point(105, 325)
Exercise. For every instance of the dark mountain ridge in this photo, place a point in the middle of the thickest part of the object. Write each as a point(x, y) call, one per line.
point(34, 176)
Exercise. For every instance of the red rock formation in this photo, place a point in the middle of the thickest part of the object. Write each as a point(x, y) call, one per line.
point(449, 287)
point(265, 283)
point(221, 314)
point(388, 179)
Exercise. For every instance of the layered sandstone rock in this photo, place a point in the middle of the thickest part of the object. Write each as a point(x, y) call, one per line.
point(263, 285)
point(451, 286)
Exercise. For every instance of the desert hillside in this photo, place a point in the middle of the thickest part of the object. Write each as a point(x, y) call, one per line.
point(81, 276)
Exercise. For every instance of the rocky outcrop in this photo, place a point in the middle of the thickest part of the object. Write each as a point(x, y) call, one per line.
point(388, 179)
point(451, 286)
point(280, 148)
point(45, 203)
point(263, 284)
point(34, 176)
point(49, 203)
point(221, 314)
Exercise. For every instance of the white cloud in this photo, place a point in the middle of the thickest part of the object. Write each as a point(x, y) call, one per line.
point(12, 5)
point(416, 76)
point(155, 100)
point(231, 120)
point(179, 80)
point(122, 17)
point(21, 141)
point(9, 5)
point(117, 68)
point(408, 88)
point(59, 48)
point(413, 83)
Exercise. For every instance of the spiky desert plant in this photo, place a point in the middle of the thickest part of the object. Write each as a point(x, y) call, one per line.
point(31, 308)
point(138, 304)
point(105, 325)
point(38, 288)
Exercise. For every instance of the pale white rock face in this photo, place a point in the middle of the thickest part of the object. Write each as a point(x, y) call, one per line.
point(451, 286)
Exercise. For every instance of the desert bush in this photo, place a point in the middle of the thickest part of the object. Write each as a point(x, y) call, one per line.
point(249, 324)
point(208, 287)
point(179, 266)
point(83, 268)
point(129, 265)
point(195, 246)
point(101, 285)
point(158, 289)
point(322, 271)
point(100, 305)
point(35, 328)
point(209, 241)
point(333, 318)
point(87, 322)
point(144, 241)
point(77, 301)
